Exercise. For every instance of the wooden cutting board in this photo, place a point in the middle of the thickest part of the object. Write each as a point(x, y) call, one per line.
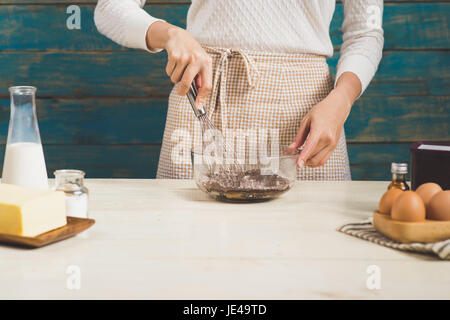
point(407, 232)
point(73, 227)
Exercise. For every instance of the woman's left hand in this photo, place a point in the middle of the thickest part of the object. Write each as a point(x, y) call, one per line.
point(321, 128)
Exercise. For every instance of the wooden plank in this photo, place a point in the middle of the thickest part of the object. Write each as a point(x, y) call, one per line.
point(418, 26)
point(373, 172)
point(409, 73)
point(368, 161)
point(138, 74)
point(372, 161)
point(397, 119)
point(119, 161)
point(27, 22)
point(101, 121)
point(372, 153)
point(119, 74)
point(93, 121)
point(406, 26)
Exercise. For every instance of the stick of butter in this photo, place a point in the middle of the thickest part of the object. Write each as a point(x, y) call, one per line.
point(29, 212)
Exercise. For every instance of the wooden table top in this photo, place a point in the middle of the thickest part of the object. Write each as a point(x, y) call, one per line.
point(165, 239)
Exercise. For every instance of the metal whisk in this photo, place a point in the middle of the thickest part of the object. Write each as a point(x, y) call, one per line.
point(205, 125)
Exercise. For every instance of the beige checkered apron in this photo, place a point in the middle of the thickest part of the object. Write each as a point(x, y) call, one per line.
point(253, 90)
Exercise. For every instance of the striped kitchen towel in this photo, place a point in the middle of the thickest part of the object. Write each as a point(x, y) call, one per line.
point(365, 230)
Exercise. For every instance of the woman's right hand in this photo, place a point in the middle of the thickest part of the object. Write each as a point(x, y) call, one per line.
point(187, 60)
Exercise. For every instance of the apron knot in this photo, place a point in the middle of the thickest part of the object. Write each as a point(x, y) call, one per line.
point(221, 75)
point(252, 71)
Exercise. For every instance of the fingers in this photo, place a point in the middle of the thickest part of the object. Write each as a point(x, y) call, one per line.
point(320, 158)
point(170, 67)
point(176, 65)
point(302, 134)
point(204, 83)
point(187, 78)
point(308, 149)
point(184, 68)
point(198, 81)
point(178, 72)
point(315, 155)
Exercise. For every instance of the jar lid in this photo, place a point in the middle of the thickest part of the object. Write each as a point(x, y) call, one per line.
point(22, 90)
point(397, 167)
point(69, 172)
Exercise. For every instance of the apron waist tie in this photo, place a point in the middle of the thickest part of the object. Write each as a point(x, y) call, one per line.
point(220, 79)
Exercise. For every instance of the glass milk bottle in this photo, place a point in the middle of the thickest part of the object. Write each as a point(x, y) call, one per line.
point(24, 163)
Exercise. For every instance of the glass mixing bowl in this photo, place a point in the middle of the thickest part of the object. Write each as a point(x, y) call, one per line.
point(244, 180)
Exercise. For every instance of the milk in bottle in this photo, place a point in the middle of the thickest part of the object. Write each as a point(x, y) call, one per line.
point(24, 163)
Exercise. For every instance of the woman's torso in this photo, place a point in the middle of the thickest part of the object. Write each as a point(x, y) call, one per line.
point(255, 95)
point(287, 26)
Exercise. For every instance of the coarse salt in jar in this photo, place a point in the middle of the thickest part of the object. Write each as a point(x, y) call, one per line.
point(71, 182)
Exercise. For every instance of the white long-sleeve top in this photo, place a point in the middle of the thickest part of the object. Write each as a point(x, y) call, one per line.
point(288, 26)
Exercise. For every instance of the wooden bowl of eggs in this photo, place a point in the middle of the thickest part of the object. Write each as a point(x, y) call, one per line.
point(414, 216)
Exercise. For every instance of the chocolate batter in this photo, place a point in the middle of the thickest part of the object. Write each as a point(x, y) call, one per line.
point(248, 185)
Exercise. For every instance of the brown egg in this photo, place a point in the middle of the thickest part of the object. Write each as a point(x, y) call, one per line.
point(427, 190)
point(387, 200)
point(439, 206)
point(408, 207)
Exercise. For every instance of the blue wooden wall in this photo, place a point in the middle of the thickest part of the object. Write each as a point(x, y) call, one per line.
point(102, 107)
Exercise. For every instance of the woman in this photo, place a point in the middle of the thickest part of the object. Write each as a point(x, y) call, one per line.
point(259, 64)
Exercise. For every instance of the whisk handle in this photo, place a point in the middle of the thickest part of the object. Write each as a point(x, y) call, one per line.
point(192, 96)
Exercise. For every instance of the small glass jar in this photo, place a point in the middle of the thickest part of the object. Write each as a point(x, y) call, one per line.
point(399, 172)
point(71, 182)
